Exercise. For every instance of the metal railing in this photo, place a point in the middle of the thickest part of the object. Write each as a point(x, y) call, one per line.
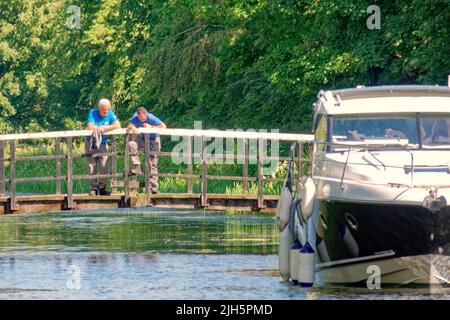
point(349, 148)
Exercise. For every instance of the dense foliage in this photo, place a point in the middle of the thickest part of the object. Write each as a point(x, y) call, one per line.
point(229, 63)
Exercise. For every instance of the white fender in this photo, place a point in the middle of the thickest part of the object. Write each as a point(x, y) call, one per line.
point(283, 208)
point(306, 266)
point(299, 225)
point(295, 262)
point(309, 190)
point(286, 241)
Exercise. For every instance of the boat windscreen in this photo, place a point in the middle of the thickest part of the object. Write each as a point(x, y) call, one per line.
point(435, 131)
point(392, 131)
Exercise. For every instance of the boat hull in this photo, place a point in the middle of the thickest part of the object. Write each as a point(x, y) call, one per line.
point(420, 270)
point(409, 244)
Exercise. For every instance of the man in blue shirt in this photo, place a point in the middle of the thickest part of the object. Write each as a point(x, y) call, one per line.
point(101, 120)
point(144, 119)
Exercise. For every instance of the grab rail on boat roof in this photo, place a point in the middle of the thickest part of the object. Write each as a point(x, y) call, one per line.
point(392, 91)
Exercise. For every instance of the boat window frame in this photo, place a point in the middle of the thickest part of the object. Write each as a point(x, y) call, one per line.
point(316, 121)
point(329, 132)
point(418, 131)
point(325, 145)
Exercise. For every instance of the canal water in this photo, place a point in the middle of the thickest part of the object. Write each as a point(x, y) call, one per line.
point(154, 254)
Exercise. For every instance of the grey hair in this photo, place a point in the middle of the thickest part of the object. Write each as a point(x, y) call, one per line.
point(141, 109)
point(104, 102)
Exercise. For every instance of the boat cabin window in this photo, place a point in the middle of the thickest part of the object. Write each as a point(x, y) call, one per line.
point(409, 130)
point(435, 131)
point(386, 131)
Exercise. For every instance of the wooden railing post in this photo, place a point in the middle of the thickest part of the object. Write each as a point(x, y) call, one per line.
point(190, 159)
point(260, 174)
point(147, 170)
point(70, 204)
point(12, 175)
point(245, 167)
point(113, 162)
point(204, 196)
point(2, 169)
point(58, 165)
point(126, 169)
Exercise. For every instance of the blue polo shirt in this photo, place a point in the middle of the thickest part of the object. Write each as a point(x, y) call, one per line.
point(95, 118)
point(151, 119)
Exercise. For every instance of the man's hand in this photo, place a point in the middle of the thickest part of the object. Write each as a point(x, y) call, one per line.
point(146, 125)
point(102, 129)
point(132, 129)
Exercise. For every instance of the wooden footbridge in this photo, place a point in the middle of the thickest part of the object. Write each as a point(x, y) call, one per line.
point(249, 148)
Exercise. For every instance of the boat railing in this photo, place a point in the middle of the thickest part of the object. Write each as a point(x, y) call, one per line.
point(331, 147)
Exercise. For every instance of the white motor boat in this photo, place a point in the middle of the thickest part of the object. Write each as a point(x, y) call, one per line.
point(381, 180)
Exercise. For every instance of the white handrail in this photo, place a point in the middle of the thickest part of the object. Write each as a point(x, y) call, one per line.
point(231, 134)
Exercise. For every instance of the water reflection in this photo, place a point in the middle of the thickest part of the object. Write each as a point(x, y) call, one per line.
point(135, 254)
point(156, 254)
point(132, 231)
point(101, 275)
